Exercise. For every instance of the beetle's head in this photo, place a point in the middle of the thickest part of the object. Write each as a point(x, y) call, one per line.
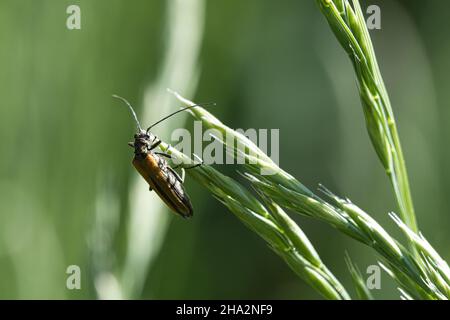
point(142, 141)
point(143, 135)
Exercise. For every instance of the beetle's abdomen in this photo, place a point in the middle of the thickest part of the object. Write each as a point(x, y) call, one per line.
point(164, 183)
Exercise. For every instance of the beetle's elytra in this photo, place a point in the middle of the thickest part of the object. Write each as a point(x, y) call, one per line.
point(152, 166)
point(159, 175)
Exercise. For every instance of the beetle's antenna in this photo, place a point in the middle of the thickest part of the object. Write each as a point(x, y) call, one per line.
point(174, 113)
point(131, 108)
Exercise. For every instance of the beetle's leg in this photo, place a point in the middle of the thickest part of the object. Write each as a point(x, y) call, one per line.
point(194, 166)
point(154, 145)
point(177, 176)
point(191, 167)
point(131, 144)
point(164, 154)
point(198, 164)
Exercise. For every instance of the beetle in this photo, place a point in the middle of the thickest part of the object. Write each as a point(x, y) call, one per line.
point(154, 168)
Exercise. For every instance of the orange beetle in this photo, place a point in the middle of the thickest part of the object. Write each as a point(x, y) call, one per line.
point(156, 171)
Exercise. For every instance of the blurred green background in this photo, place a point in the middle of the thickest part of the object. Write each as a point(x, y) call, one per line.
point(66, 182)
